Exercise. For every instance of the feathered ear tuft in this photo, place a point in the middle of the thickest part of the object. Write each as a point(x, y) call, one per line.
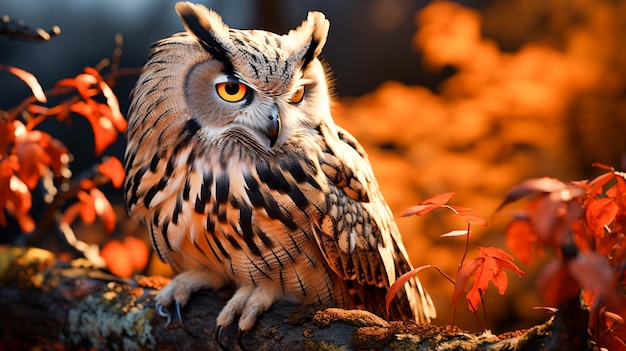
point(312, 31)
point(207, 26)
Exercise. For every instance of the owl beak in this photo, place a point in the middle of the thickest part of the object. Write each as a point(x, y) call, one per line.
point(274, 126)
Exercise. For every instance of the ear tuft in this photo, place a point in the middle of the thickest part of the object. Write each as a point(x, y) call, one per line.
point(207, 26)
point(312, 31)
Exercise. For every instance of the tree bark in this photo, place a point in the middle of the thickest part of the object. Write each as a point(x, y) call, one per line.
point(56, 306)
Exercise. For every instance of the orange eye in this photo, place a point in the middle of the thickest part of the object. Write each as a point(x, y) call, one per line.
point(298, 96)
point(231, 91)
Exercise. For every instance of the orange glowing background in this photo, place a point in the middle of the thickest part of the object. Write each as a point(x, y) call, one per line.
point(550, 106)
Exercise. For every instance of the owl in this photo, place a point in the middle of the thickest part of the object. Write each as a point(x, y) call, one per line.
point(237, 169)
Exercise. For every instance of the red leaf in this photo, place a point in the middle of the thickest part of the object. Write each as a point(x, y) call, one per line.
point(30, 80)
point(475, 219)
point(503, 259)
point(7, 136)
point(532, 186)
point(116, 116)
point(601, 213)
point(36, 151)
point(83, 83)
point(87, 209)
point(103, 131)
point(91, 205)
point(463, 276)
point(399, 283)
point(15, 197)
point(419, 210)
point(112, 168)
point(104, 210)
point(556, 284)
point(521, 239)
point(594, 274)
point(425, 206)
point(439, 199)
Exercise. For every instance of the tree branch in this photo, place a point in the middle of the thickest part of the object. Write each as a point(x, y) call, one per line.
point(54, 305)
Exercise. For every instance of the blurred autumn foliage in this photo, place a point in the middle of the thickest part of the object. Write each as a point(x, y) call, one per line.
point(583, 224)
point(532, 88)
point(32, 157)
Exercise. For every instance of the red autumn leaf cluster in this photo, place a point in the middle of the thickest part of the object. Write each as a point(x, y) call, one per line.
point(92, 203)
point(584, 224)
point(488, 267)
point(28, 156)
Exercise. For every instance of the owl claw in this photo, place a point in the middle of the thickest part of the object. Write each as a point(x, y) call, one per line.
point(218, 337)
point(164, 313)
point(179, 314)
point(240, 338)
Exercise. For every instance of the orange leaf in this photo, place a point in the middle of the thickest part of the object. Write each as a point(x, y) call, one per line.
point(83, 83)
point(30, 80)
point(139, 252)
point(104, 210)
point(116, 116)
point(112, 168)
point(118, 258)
point(103, 131)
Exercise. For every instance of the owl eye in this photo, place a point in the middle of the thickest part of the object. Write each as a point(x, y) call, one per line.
point(232, 91)
point(298, 96)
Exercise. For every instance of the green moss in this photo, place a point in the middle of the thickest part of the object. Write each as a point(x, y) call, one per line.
point(110, 320)
point(310, 345)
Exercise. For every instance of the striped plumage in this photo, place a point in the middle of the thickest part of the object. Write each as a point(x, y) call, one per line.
point(264, 193)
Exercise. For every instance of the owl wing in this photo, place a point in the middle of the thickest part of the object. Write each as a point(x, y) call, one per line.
point(358, 235)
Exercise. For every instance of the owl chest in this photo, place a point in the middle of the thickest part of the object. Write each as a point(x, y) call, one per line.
point(270, 255)
point(233, 223)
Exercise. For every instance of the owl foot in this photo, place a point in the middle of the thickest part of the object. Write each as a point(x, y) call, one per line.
point(248, 302)
point(179, 290)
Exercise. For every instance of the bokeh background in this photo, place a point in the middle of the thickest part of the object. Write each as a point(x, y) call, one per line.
point(469, 97)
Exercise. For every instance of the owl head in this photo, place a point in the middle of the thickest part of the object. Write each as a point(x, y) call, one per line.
point(214, 79)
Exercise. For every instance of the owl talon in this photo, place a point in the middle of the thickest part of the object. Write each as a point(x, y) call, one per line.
point(178, 306)
point(164, 313)
point(240, 338)
point(179, 314)
point(218, 337)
